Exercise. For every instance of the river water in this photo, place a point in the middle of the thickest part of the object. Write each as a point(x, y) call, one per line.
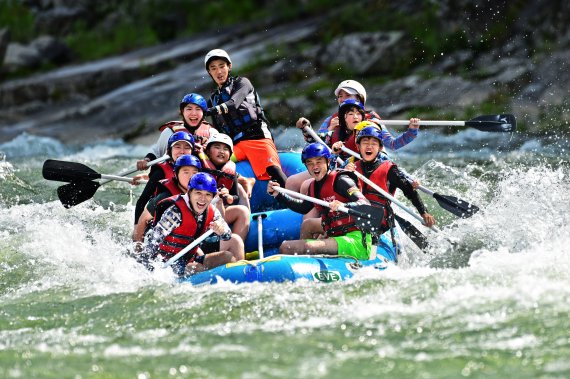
point(490, 298)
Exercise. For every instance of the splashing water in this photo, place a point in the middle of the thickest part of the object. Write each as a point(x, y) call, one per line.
point(489, 299)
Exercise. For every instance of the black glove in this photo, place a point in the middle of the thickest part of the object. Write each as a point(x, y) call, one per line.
point(212, 111)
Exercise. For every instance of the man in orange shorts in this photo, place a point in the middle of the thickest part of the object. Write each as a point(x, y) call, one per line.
point(237, 112)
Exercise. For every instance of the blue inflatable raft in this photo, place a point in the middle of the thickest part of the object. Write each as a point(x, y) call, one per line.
point(277, 225)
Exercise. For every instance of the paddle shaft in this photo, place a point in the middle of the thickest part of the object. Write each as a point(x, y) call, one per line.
point(196, 242)
point(131, 171)
point(260, 235)
point(422, 122)
point(369, 182)
point(314, 200)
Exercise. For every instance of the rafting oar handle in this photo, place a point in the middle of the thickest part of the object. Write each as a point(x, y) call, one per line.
point(131, 171)
point(323, 203)
point(196, 242)
point(422, 123)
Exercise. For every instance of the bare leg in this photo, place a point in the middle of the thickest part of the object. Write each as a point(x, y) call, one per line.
point(247, 184)
point(234, 246)
point(237, 216)
point(295, 181)
point(311, 228)
point(325, 246)
point(243, 197)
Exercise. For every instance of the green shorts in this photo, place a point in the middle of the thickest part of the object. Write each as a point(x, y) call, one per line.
point(351, 244)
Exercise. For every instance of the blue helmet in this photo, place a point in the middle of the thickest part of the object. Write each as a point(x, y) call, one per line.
point(349, 103)
point(370, 131)
point(204, 182)
point(315, 149)
point(179, 136)
point(194, 98)
point(187, 160)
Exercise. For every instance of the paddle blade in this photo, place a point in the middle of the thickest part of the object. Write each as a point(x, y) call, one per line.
point(367, 217)
point(411, 231)
point(63, 171)
point(458, 207)
point(500, 123)
point(77, 192)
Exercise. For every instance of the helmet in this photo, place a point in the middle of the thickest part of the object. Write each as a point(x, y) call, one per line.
point(194, 98)
point(370, 131)
point(363, 124)
point(349, 103)
point(204, 182)
point(179, 136)
point(216, 53)
point(222, 138)
point(187, 160)
point(315, 149)
point(353, 88)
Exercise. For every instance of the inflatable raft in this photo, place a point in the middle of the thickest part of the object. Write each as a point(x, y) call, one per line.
point(275, 225)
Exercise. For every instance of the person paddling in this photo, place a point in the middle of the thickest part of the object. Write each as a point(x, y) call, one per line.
point(337, 187)
point(349, 90)
point(386, 175)
point(182, 219)
point(179, 143)
point(184, 169)
point(236, 111)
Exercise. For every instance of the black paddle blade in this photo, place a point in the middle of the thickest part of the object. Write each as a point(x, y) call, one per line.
point(458, 207)
point(411, 231)
point(367, 217)
point(63, 171)
point(501, 123)
point(77, 192)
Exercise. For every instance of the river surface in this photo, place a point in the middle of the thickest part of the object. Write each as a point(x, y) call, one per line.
point(490, 299)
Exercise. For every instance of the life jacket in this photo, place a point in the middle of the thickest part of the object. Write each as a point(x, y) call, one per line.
point(334, 223)
point(185, 233)
point(203, 130)
point(380, 178)
point(167, 169)
point(170, 185)
point(224, 176)
point(244, 122)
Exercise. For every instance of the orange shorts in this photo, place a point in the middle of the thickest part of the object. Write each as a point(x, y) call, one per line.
point(261, 153)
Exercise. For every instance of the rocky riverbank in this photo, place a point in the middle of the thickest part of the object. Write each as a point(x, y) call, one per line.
point(127, 96)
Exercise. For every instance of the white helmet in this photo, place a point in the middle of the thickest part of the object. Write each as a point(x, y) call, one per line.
point(352, 87)
point(221, 138)
point(216, 53)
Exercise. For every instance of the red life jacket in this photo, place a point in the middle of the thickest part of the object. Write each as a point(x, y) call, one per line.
point(380, 178)
point(167, 169)
point(170, 185)
point(203, 130)
point(334, 223)
point(225, 176)
point(186, 232)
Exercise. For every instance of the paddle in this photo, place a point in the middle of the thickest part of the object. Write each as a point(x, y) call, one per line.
point(64, 171)
point(499, 123)
point(75, 193)
point(81, 186)
point(367, 218)
point(452, 204)
point(195, 243)
point(411, 231)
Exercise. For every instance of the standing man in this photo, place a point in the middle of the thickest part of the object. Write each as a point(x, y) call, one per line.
point(237, 112)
